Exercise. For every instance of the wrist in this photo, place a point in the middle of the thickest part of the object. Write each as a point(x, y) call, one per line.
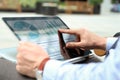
point(101, 43)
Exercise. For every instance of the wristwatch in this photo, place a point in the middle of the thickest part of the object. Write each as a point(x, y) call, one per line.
point(38, 74)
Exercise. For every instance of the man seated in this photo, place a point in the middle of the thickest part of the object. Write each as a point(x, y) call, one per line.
point(32, 58)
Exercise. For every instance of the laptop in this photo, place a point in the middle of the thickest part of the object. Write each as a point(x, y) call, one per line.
point(39, 30)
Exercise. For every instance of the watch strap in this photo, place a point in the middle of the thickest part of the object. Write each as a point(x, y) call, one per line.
point(42, 64)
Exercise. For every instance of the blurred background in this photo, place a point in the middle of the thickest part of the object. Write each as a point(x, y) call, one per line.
point(53, 7)
point(100, 16)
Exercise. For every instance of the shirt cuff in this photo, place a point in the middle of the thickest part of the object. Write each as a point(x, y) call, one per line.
point(51, 69)
point(110, 42)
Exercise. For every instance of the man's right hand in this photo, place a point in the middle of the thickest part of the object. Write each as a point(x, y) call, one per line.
point(85, 39)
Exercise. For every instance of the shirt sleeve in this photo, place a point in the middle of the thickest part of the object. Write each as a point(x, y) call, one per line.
point(106, 70)
point(110, 42)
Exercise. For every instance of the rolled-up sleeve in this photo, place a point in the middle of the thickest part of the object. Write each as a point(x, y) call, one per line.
point(106, 70)
point(110, 42)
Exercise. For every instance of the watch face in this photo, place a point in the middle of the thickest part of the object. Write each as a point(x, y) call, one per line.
point(39, 74)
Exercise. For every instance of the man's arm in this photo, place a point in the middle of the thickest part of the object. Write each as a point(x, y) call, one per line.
point(30, 56)
point(107, 70)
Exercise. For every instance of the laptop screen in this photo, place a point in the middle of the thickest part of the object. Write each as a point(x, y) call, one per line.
point(39, 30)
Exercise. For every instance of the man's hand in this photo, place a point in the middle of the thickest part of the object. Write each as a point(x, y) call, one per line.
point(85, 39)
point(29, 57)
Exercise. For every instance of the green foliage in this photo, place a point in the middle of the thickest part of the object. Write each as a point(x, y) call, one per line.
point(95, 2)
point(48, 0)
point(30, 3)
point(114, 1)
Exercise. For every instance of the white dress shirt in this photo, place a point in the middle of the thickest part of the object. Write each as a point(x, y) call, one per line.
point(106, 70)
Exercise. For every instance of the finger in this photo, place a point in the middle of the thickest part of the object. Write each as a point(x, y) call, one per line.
point(25, 43)
point(22, 48)
point(23, 69)
point(24, 62)
point(20, 69)
point(74, 45)
point(25, 46)
point(68, 31)
point(26, 57)
point(22, 43)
